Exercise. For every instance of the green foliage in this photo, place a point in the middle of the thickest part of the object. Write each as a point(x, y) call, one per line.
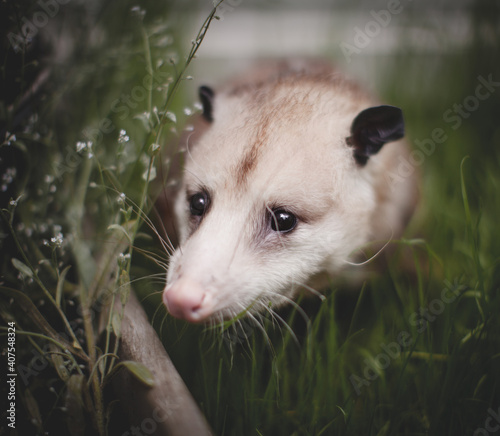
point(414, 352)
point(79, 152)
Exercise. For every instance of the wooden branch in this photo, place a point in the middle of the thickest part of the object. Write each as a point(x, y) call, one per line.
point(167, 408)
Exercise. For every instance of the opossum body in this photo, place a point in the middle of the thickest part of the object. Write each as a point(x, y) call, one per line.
point(287, 175)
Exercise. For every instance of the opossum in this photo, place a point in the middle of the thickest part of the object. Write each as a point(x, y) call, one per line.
point(291, 171)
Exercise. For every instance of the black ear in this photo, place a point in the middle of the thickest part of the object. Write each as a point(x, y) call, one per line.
point(207, 99)
point(374, 127)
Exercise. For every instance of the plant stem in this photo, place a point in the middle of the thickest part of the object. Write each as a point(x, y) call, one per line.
point(149, 67)
point(46, 292)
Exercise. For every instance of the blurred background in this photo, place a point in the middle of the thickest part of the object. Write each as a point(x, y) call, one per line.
point(88, 88)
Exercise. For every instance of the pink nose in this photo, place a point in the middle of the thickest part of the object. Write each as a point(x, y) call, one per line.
point(186, 299)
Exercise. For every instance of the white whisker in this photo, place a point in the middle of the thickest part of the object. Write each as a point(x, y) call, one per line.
point(284, 323)
point(313, 291)
point(372, 257)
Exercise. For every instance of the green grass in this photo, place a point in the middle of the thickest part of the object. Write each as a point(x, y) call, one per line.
point(361, 362)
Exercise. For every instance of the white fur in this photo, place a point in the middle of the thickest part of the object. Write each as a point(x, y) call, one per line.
point(305, 165)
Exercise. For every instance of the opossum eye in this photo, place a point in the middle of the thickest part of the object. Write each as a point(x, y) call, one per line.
point(283, 221)
point(198, 203)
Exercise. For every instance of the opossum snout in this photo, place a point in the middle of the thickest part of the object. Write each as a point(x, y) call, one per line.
point(188, 300)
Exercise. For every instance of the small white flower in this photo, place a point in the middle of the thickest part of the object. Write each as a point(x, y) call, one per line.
point(123, 137)
point(80, 146)
point(123, 260)
point(84, 146)
point(9, 175)
point(7, 178)
point(10, 138)
point(57, 240)
point(171, 116)
point(14, 202)
point(122, 256)
point(121, 199)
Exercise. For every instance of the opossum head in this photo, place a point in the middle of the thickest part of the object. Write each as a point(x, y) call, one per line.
point(279, 187)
